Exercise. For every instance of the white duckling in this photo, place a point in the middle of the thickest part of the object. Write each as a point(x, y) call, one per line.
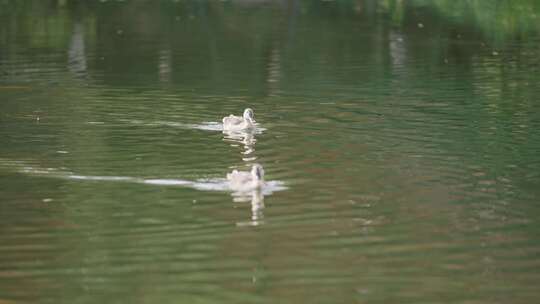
point(236, 123)
point(243, 181)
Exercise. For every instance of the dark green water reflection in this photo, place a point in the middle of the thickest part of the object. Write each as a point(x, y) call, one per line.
point(406, 133)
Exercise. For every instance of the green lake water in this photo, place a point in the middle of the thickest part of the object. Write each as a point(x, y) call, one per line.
point(400, 142)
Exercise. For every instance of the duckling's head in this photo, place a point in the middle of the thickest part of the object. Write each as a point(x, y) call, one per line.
point(249, 115)
point(257, 172)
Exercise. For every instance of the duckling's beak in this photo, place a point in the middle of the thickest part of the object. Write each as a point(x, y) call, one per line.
point(248, 114)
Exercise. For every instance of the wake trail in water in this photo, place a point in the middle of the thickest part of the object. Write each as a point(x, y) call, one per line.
point(212, 184)
point(204, 126)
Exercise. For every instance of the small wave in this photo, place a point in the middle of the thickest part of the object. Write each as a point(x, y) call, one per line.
point(101, 178)
point(206, 126)
point(166, 182)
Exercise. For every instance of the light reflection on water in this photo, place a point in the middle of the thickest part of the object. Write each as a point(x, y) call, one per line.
point(408, 153)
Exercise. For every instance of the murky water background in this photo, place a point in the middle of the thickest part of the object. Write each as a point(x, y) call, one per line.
point(400, 141)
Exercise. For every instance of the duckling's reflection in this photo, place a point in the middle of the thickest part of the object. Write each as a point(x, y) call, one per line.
point(243, 137)
point(256, 198)
point(248, 187)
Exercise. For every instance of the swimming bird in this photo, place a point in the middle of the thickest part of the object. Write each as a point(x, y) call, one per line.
point(236, 123)
point(243, 181)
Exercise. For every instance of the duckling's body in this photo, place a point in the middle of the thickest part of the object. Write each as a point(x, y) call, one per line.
point(243, 181)
point(237, 123)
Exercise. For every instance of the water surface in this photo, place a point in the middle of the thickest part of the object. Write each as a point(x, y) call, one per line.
point(399, 139)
